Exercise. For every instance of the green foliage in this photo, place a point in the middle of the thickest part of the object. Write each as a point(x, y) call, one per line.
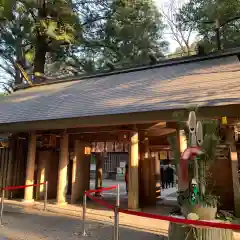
point(29, 24)
point(203, 163)
point(133, 34)
point(201, 15)
point(211, 139)
point(73, 37)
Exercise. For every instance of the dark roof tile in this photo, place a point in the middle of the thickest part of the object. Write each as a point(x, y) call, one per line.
point(209, 83)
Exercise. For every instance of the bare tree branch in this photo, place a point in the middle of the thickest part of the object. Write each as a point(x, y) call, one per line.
point(179, 33)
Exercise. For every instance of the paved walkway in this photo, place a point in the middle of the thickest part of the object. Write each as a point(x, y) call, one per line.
point(64, 222)
point(25, 223)
point(166, 194)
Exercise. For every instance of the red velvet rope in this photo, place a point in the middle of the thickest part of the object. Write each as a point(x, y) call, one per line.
point(24, 186)
point(101, 189)
point(167, 218)
point(183, 221)
point(101, 202)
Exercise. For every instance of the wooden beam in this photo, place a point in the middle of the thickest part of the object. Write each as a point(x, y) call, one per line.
point(102, 129)
point(156, 148)
point(157, 126)
point(95, 137)
point(160, 132)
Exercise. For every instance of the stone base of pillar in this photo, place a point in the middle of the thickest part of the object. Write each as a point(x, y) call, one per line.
point(30, 201)
point(135, 209)
point(61, 203)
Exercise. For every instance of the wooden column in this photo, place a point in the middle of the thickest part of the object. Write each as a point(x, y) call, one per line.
point(157, 175)
point(87, 163)
point(31, 157)
point(144, 153)
point(182, 145)
point(234, 167)
point(44, 158)
point(52, 174)
point(133, 180)
point(62, 170)
point(99, 172)
point(146, 148)
point(79, 172)
point(12, 157)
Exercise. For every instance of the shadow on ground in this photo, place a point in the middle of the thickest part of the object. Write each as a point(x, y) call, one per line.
point(25, 223)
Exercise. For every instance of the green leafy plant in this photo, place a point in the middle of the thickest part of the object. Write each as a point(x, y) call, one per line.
point(208, 145)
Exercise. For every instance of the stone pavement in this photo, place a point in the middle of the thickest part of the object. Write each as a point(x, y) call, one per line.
point(60, 223)
point(166, 194)
point(29, 224)
point(64, 222)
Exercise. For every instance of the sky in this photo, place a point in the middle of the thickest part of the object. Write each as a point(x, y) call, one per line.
point(172, 44)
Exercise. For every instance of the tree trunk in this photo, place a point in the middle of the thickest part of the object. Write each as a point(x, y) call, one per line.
point(19, 58)
point(183, 232)
point(41, 45)
point(40, 57)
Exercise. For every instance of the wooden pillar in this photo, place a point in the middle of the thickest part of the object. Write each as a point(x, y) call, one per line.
point(182, 146)
point(31, 157)
point(157, 175)
point(146, 174)
point(62, 170)
point(79, 172)
point(12, 157)
point(146, 148)
point(234, 167)
point(87, 163)
point(144, 153)
point(44, 158)
point(99, 172)
point(133, 180)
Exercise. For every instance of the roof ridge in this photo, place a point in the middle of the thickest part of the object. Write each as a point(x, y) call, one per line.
point(168, 62)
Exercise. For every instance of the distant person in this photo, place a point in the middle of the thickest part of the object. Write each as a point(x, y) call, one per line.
point(126, 177)
point(163, 177)
point(170, 176)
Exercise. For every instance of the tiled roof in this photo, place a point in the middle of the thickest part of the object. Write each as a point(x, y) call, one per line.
point(210, 82)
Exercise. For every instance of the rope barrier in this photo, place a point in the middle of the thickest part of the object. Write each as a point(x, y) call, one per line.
point(101, 189)
point(89, 194)
point(20, 187)
point(101, 202)
point(199, 223)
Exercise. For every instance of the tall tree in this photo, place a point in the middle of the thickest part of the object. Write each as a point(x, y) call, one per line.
point(32, 28)
point(133, 35)
point(206, 16)
point(15, 34)
point(73, 36)
point(55, 26)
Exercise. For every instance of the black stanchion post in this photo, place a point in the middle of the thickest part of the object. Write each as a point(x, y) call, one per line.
point(45, 195)
point(84, 233)
point(116, 215)
point(2, 203)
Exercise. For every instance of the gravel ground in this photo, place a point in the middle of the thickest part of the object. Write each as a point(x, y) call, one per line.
point(29, 224)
